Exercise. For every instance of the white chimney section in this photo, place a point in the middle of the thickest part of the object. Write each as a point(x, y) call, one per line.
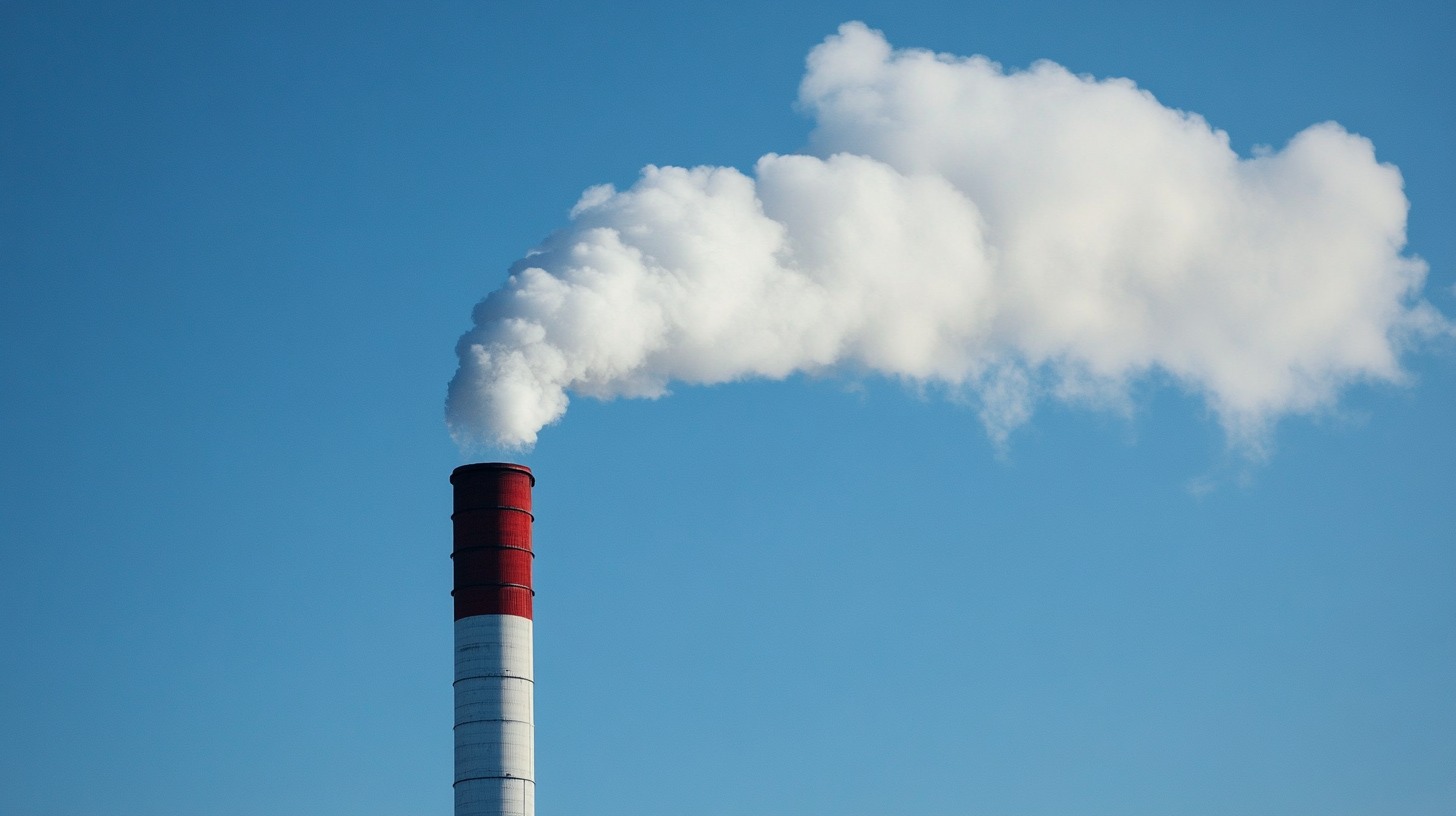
point(495, 740)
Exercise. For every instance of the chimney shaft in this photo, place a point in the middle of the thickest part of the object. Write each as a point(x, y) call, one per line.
point(495, 741)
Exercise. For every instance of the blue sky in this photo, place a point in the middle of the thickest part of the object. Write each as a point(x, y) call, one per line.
point(238, 245)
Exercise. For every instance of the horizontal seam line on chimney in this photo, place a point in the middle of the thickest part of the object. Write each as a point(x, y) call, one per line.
point(492, 584)
point(493, 547)
point(492, 507)
point(482, 778)
point(493, 720)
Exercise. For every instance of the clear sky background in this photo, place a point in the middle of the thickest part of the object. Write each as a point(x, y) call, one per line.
point(238, 244)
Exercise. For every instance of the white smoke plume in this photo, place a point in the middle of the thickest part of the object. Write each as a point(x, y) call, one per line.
point(1003, 236)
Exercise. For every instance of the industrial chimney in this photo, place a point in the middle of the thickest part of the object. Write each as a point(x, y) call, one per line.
point(495, 732)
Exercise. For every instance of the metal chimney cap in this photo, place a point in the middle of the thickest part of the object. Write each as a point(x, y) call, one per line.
point(482, 467)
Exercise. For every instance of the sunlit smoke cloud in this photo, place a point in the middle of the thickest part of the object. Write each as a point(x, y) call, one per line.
point(1003, 237)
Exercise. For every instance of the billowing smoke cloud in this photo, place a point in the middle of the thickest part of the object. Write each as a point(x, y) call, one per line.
point(1003, 237)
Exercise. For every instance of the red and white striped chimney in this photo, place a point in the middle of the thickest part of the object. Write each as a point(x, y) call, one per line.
point(495, 732)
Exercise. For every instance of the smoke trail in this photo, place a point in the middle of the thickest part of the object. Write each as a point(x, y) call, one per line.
point(1009, 236)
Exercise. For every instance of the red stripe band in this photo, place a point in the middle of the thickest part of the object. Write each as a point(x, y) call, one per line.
point(492, 555)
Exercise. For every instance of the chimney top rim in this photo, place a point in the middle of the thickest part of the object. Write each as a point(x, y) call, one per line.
point(476, 467)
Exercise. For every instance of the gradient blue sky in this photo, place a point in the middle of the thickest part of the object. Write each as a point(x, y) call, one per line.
point(237, 245)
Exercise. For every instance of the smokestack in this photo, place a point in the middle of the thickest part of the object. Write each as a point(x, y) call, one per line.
point(495, 732)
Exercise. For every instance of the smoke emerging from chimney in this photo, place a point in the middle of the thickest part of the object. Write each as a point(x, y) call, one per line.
point(1003, 237)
